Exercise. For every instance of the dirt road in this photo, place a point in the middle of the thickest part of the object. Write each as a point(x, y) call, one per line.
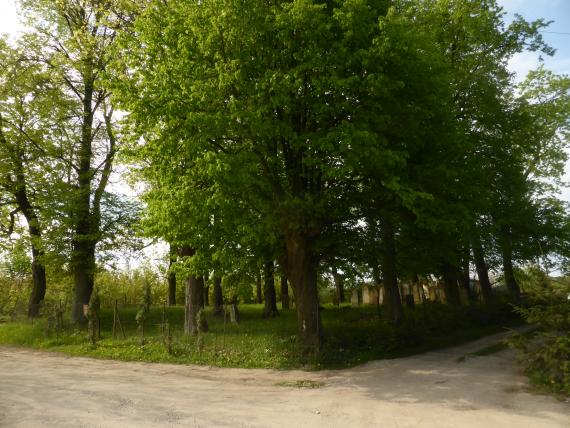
point(430, 390)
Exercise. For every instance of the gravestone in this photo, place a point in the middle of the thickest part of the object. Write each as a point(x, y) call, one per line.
point(354, 298)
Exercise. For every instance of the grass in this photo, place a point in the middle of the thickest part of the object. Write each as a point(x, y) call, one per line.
point(352, 336)
point(484, 352)
point(304, 383)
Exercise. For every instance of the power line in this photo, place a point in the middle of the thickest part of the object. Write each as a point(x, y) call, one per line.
point(555, 32)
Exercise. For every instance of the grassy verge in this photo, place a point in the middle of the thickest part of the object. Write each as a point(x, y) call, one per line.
point(353, 336)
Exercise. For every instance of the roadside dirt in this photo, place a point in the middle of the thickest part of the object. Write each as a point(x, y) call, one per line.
point(40, 389)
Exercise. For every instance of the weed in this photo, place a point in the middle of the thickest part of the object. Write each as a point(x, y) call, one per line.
point(304, 383)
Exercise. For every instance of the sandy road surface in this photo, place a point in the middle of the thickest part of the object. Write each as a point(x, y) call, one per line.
point(430, 390)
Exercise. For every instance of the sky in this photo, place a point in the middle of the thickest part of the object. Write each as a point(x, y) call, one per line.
point(557, 35)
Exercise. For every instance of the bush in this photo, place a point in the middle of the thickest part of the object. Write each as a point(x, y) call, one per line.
point(13, 297)
point(546, 355)
point(129, 287)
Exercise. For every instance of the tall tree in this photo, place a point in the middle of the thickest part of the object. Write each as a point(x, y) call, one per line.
point(77, 36)
point(291, 99)
point(285, 304)
point(172, 255)
point(269, 295)
point(32, 108)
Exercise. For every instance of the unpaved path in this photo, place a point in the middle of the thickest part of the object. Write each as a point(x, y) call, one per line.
point(431, 390)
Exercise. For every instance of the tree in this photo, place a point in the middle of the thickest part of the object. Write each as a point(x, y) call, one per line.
point(171, 276)
point(76, 36)
point(297, 121)
point(285, 304)
point(194, 295)
point(269, 295)
point(259, 107)
point(218, 296)
point(31, 108)
point(478, 45)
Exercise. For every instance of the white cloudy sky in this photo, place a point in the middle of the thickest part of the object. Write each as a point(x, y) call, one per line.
point(557, 35)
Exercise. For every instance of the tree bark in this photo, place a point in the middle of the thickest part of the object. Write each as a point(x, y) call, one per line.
point(302, 272)
point(83, 260)
point(194, 296)
point(464, 279)
point(284, 292)
point(259, 297)
point(171, 278)
point(191, 305)
point(450, 283)
point(392, 298)
point(508, 271)
point(218, 297)
point(206, 294)
point(84, 240)
point(201, 286)
point(39, 282)
point(269, 295)
point(19, 190)
point(482, 271)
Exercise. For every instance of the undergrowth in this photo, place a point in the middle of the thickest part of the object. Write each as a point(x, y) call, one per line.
point(546, 355)
point(352, 336)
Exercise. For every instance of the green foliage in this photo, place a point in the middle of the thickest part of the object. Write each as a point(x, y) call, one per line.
point(13, 296)
point(240, 286)
point(377, 137)
point(127, 287)
point(546, 355)
point(15, 279)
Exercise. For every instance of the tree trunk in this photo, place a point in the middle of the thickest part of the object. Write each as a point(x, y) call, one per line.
point(464, 278)
point(84, 240)
point(450, 283)
point(482, 271)
point(392, 298)
point(201, 286)
point(20, 192)
point(83, 261)
point(171, 278)
point(302, 272)
point(218, 297)
point(38, 269)
point(194, 296)
point(339, 286)
point(284, 292)
point(508, 271)
point(269, 297)
point(203, 325)
point(206, 295)
point(39, 283)
point(259, 297)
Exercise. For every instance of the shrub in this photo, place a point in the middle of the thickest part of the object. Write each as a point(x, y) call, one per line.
point(129, 287)
point(546, 355)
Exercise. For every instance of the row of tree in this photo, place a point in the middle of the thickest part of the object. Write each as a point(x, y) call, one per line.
point(384, 139)
point(58, 141)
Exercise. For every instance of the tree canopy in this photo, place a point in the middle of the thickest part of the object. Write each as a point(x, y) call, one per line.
point(380, 139)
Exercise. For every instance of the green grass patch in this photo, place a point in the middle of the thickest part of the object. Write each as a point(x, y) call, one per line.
point(304, 383)
point(483, 352)
point(491, 349)
point(352, 336)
